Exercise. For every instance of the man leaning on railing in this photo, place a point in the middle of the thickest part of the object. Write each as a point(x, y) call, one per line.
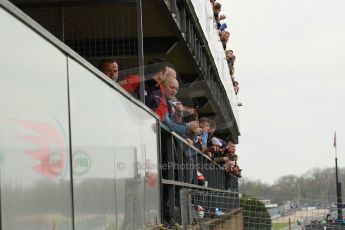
point(171, 88)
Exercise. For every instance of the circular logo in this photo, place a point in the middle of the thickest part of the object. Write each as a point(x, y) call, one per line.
point(81, 163)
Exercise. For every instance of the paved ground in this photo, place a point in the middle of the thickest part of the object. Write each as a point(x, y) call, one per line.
point(303, 215)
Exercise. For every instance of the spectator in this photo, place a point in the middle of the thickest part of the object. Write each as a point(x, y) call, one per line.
point(177, 107)
point(221, 156)
point(110, 68)
point(210, 149)
point(230, 58)
point(224, 38)
point(230, 163)
point(217, 8)
point(154, 89)
point(231, 150)
point(171, 88)
point(236, 170)
point(232, 167)
point(212, 130)
point(179, 111)
point(236, 87)
point(204, 124)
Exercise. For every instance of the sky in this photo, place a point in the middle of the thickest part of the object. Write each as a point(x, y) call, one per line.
point(290, 64)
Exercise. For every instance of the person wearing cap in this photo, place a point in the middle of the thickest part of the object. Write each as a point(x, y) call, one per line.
point(221, 157)
point(216, 141)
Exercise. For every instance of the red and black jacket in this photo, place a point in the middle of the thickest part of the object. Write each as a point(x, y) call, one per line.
point(154, 94)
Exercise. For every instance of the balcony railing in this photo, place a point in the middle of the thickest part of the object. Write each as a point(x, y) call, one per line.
point(179, 163)
point(78, 89)
point(217, 75)
point(204, 12)
point(183, 160)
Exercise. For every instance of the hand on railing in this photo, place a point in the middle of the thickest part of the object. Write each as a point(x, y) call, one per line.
point(190, 142)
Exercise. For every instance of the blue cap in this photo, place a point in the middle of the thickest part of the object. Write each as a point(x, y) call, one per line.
point(223, 26)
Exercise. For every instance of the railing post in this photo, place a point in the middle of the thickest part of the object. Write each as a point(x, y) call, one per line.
point(183, 23)
point(179, 159)
point(171, 203)
point(189, 161)
point(171, 158)
point(173, 6)
point(140, 51)
point(184, 211)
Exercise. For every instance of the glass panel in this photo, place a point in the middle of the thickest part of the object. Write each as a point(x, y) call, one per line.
point(34, 138)
point(93, 150)
point(120, 139)
point(136, 134)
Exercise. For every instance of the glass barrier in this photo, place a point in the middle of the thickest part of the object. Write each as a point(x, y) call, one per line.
point(49, 99)
point(35, 172)
point(74, 144)
point(124, 144)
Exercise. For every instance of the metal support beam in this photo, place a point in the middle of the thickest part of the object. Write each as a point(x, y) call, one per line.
point(140, 50)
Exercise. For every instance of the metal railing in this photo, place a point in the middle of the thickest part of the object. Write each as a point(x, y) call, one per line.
point(204, 44)
point(179, 164)
point(209, 209)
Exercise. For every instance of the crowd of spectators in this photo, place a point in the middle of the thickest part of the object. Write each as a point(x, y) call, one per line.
point(161, 88)
point(224, 36)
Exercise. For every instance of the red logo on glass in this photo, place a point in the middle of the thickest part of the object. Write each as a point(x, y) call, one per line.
point(50, 147)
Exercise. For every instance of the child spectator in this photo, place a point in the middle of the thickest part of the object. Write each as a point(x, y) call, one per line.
point(204, 124)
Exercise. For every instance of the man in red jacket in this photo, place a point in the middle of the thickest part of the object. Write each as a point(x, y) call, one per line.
point(155, 74)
